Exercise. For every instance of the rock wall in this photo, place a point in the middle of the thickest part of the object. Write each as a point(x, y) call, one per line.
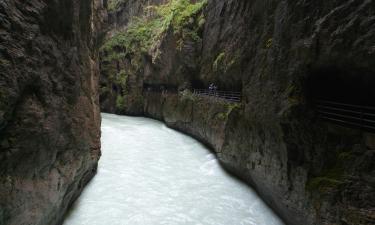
point(299, 164)
point(49, 106)
point(127, 10)
point(311, 172)
point(192, 114)
point(121, 14)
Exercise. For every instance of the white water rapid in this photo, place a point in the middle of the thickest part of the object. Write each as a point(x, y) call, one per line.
point(152, 175)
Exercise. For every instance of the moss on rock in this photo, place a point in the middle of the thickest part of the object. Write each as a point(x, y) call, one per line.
point(120, 102)
point(114, 4)
point(182, 16)
point(333, 176)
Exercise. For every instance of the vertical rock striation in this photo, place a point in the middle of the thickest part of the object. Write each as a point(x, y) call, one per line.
point(121, 13)
point(277, 53)
point(49, 108)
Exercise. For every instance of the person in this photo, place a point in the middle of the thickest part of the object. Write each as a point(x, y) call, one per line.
point(215, 90)
point(210, 88)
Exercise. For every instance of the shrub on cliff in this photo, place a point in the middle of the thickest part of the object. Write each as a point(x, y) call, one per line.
point(181, 16)
point(120, 102)
point(114, 4)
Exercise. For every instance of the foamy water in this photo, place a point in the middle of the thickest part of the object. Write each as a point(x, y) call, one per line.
point(149, 175)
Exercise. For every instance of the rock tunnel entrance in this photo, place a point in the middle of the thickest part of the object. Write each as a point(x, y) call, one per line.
point(345, 97)
point(345, 86)
point(148, 87)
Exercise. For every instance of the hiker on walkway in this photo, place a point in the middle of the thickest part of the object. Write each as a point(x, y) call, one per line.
point(214, 88)
point(211, 88)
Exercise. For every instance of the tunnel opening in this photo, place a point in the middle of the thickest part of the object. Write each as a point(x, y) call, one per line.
point(148, 87)
point(345, 86)
point(343, 96)
point(197, 84)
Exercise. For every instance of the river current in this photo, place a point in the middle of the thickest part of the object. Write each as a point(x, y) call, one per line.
point(152, 175)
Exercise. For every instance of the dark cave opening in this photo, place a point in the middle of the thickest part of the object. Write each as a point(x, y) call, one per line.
point(198, 84)
point(349, 86)
point(160, 88)
point(343, 96)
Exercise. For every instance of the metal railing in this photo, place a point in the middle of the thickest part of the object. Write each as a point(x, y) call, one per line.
point(227, 95)
point(356, 116)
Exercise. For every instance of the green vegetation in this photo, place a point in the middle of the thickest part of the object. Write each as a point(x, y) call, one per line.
point(294, 94)
point(201, 21)
point(4, 62)
point(114, 4)
point(332, 177)
point(120, 102)
point(187, 95)
point(323, 184)
point(121, 80)
point(269, 43)
point(219, 60)
point(137, 39)
point(229, 108)
point(181, 16)
point(103, 90)
point(224, 61)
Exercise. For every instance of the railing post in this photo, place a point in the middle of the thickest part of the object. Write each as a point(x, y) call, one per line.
point(362, 121)
point(227, 95)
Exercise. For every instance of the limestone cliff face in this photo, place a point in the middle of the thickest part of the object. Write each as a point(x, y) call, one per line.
point(311, 172)
point(49, 108)
point(120, 15)
point(277, 53)
point(125, 11)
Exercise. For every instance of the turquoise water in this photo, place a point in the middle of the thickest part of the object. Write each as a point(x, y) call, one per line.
point(149, 175)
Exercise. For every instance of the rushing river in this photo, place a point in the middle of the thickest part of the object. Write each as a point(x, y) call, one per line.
point(151, 175)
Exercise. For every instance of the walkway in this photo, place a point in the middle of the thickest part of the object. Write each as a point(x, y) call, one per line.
point(355, 116)
point(227, 95)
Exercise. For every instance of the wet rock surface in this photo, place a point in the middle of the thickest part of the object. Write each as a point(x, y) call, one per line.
point(49, 108)
point(309, 171)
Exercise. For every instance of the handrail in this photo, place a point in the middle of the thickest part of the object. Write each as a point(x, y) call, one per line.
point(345, 104)
point(206, 90)
point(358, 116)
point(346, 117)
point(343, 110)
point(227, 95)
point(349, 123)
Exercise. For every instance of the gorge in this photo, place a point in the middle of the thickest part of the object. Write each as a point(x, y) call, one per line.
point(302, 134)
point(284, 57)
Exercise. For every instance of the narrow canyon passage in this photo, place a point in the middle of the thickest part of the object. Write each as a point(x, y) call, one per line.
point(150, 174)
